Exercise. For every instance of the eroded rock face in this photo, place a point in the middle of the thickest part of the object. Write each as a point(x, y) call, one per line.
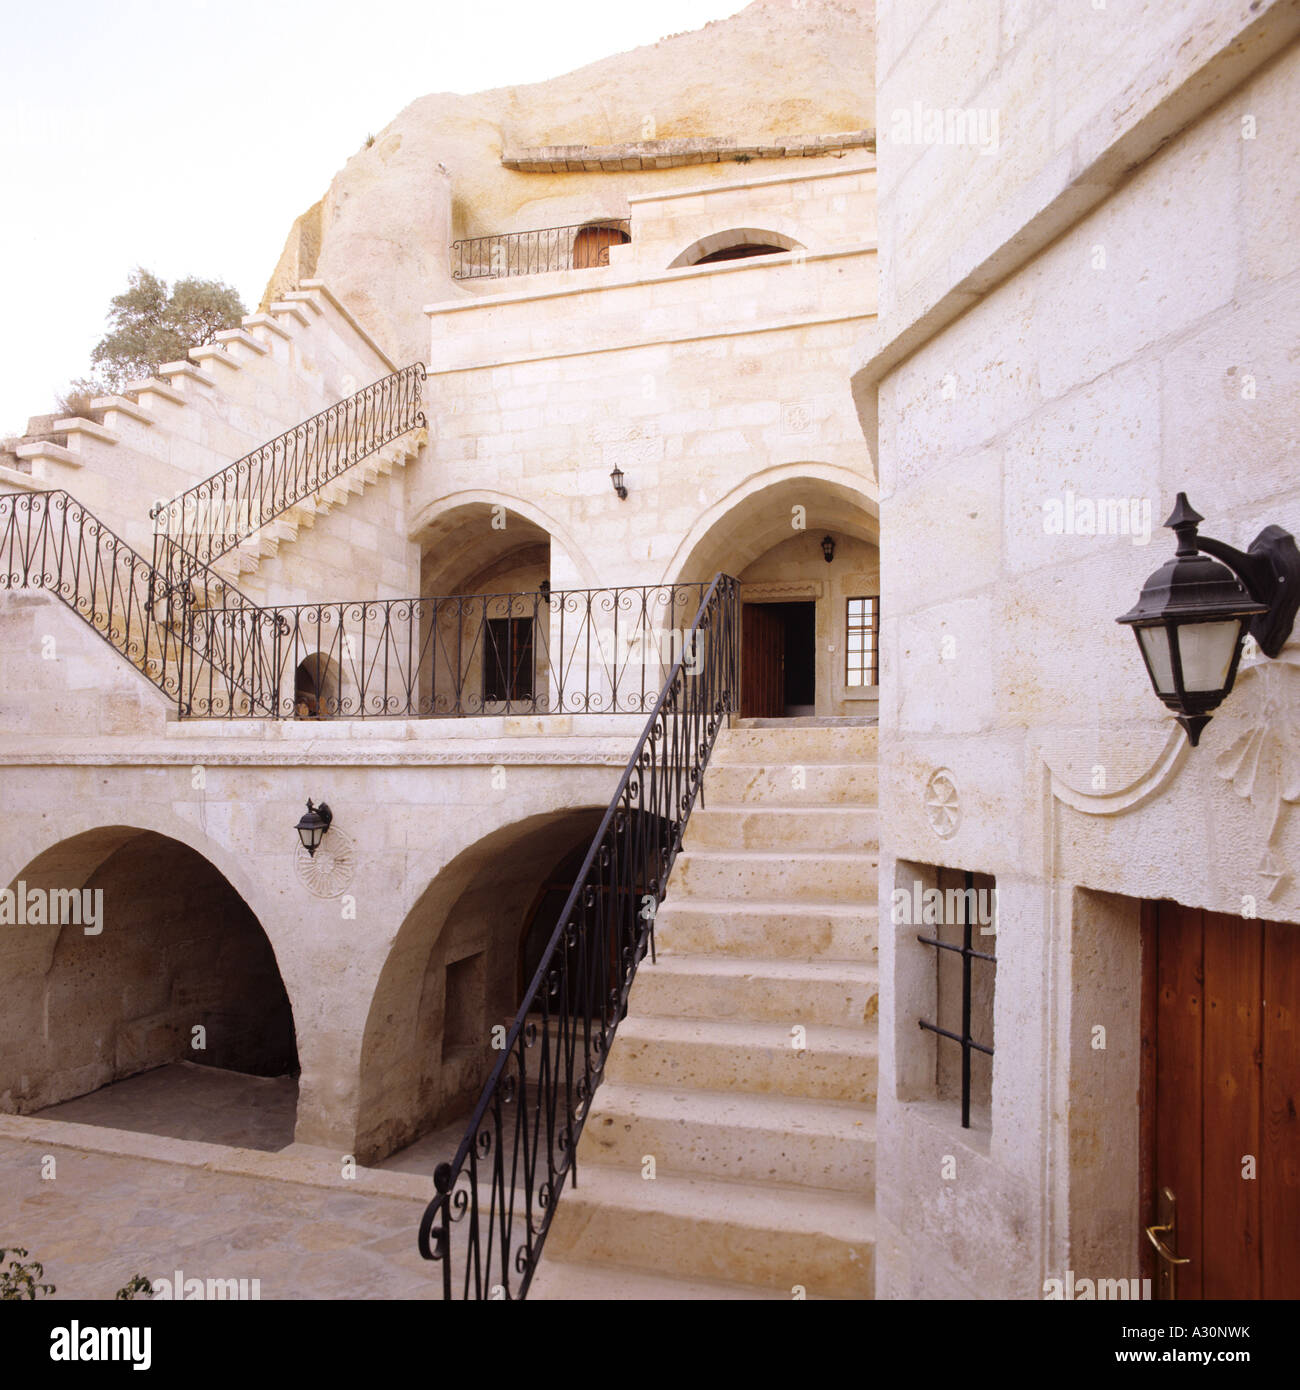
point(379, 237)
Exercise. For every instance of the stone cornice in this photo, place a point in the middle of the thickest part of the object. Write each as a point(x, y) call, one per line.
point(671, 154)
point(1066, 190)
point(369, 756)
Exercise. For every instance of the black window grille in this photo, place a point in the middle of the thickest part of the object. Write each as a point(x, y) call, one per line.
point(966, 901)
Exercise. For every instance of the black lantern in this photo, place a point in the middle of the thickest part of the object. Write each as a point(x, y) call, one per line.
point(616, 477)
point(828, 548)
point(1193, 614)
point(545, 590)
point(312, 827)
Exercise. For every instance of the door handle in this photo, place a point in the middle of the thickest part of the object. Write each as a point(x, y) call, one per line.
point(1165, 1225)
point(1165, 1253)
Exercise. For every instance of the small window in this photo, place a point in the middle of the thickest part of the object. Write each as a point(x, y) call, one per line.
point(961, 922)
point(739, 253)
point(863, 645)
point(508, 660)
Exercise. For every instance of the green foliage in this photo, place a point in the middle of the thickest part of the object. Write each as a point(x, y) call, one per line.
point(75, 401)
point(150, 325)
point(139, 1287)
point(18, 1280)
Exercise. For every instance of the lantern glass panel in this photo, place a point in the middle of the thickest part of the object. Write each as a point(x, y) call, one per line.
point(1155, 646)
point(1207, 650)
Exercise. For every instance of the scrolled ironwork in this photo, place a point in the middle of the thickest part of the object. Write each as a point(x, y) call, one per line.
point(537, 251)
point(578, 993)
point(205, 521)
point(50, 541)
point(580, 651)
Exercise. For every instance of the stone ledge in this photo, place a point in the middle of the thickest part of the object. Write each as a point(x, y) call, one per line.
point(307, 1166)
point(1063, 194)
point(670, 154)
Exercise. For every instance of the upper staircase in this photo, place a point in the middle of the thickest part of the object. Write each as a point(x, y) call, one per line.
point(746, 1065)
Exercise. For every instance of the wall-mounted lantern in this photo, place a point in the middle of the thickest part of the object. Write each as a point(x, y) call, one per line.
point(545, 590)
point(312, 827)
point(1193, 614)
point(828, 548)
point(616, 477)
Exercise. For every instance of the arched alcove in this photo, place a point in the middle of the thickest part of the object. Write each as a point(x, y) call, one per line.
point(805, 626)
point(452, 974)
point(148, 964)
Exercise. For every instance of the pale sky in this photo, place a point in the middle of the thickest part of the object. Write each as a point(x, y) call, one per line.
point(186, 135)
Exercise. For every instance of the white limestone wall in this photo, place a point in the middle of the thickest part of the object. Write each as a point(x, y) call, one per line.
point(834, 205)
point(697, 383)
point(1149, 349)
point(88, 746)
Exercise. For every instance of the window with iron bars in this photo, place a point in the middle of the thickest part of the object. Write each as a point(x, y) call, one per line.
point(863, 646)
point(962, 931)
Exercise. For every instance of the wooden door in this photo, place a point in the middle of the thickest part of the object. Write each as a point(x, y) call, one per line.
point(762, 684)
point(591, 246)
point(1221, 1104)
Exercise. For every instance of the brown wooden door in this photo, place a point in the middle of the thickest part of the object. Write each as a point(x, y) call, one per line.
point(1221, 1103)
point(762, 687)
point(591, 245)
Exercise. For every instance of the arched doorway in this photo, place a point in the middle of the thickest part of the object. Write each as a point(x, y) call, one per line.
point(316, 687)
point(591, 245)
point(147, 997)
point(806, 550)
point(484, 620)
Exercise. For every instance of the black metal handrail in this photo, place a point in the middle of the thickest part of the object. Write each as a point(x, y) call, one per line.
point(215, 515)
point(499, 1192)
point(573, 651)
point(579, 247)
point(50, 541)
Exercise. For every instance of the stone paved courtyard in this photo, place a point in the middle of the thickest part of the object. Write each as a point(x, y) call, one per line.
point(288, 1219)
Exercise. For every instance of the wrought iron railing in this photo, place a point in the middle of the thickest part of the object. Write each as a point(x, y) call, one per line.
point(574, 651)
point(496, 1198)
point(50, 542)
point(534, 252)
point(212, 517)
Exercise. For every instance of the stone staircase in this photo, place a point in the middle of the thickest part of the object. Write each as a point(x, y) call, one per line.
point(763, 1136)
point(246, 558)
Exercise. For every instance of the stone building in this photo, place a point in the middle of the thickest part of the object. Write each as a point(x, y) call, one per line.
point(433, 537)
point(1111, 320)
point(422, 540)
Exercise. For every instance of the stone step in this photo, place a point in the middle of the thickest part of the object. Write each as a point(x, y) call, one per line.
point(792, 876)
point(841, 829)
point(746, 1056)
point(767, 930)
point(779, 1238)
point(722, 1134)
point(560, 1280)
point(780, 783)
point(835, 993)
point(798, 743)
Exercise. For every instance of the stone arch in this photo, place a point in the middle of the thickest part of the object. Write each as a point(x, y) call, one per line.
point(809, 630)
point(317, 686)
point(758, 514)
point(194, 978)
point(461, 935)
point(439, 521)
point(741, 241)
